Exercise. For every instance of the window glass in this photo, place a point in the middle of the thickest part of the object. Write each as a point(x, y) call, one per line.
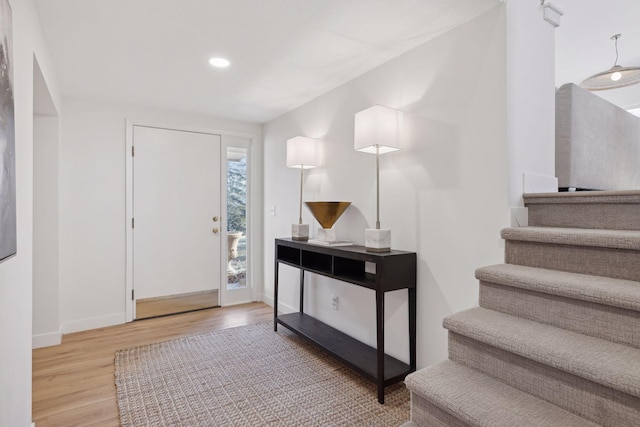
point(237, 217)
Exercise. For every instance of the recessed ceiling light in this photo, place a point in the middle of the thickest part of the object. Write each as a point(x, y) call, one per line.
point(219, 62)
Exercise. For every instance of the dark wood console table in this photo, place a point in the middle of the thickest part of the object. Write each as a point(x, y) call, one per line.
point(381, 272)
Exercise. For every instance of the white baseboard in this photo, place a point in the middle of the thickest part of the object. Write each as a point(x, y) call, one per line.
point(283, 308)
point(93, 323)
point(267, 299)
point(46, 340)
point(519, 217)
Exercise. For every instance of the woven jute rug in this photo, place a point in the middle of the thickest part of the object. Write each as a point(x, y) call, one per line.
point(247, 376)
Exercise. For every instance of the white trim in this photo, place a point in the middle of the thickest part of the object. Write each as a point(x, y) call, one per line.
point(268, 299)
point(519, 217)
point(224, 241)
point(130, 123)
point(46, 340)
point(255, 193)
point(198, 129)
point(128, 304)
point(93, 323)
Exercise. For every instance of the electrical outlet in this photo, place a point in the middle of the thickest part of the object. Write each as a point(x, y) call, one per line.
point(334, 302)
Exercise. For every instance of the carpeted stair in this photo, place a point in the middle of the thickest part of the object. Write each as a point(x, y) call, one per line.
point(556, 338)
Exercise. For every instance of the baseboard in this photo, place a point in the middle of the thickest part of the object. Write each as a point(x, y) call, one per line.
point(267, 299)
point(93, 323)
point(283, 308)
point(519, 217)
point(46, 340)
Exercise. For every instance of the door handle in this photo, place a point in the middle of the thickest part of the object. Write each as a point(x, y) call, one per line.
point(215, 230)
point(215, 219)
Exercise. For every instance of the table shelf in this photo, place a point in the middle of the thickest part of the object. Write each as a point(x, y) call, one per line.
point(357, 355)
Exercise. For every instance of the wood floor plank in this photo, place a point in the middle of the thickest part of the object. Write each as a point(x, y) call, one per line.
point(74, 383)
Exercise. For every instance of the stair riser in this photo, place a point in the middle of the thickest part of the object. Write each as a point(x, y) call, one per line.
point(425, 413)
point(616, 263)
point(597, 320)
point(600, 216)
point(592, 401)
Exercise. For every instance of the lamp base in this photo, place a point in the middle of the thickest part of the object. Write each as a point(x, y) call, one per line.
point(326, 235)
point(300, 232)
point(377, 240)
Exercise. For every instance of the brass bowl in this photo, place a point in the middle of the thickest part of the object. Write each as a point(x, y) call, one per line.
point(327, 213)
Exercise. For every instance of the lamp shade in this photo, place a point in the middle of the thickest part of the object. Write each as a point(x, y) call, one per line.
point(616, 77)
point(377, 127)
point(303, 152)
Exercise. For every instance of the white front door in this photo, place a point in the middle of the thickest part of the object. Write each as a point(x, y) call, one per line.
point(176, 212)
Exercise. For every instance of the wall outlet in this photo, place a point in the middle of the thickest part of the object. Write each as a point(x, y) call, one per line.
point(334, 302)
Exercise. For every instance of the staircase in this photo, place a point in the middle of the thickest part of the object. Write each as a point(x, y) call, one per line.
point(556, 338)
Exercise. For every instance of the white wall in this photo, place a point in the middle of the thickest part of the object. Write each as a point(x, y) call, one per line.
point(444, 196)
point(92, 204)
point(530, 95)
point(46, 139)
point(46, 324)
point(16, 272)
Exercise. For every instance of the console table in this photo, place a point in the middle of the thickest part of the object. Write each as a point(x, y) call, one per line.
point(381, 272)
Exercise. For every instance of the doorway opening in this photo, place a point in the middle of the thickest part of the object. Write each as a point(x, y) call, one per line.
point(176, 224)
point(188, 226)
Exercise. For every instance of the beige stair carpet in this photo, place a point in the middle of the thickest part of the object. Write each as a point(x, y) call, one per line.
point(247, 376)
point(556, 339)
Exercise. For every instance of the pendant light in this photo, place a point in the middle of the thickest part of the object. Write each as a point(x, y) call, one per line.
point(615, 77)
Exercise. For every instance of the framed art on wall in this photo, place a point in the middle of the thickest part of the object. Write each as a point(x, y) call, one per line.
point(8, 232)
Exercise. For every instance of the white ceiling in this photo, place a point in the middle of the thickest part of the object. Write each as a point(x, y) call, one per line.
point(584, 48)
point(283, 53)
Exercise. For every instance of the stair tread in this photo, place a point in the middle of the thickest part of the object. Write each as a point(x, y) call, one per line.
point(616, 239)
point(582, 197)
point(598, 289)
point(613, 365)
point(480, 400)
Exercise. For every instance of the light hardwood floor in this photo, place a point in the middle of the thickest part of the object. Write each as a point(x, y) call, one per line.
point(73, 383)
point(172, 304)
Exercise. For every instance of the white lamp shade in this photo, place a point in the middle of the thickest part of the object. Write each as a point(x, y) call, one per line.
point(303, 152)
point(377, 126)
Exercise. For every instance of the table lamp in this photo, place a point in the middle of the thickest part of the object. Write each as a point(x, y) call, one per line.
point(377, 131)
point(302, 153)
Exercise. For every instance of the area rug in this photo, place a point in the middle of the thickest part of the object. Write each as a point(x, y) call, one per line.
point(247, 376)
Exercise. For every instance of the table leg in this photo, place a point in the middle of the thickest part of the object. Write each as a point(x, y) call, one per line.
point(275, 297)
point(380, 343)
point(301, 291)
point(412, 328)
